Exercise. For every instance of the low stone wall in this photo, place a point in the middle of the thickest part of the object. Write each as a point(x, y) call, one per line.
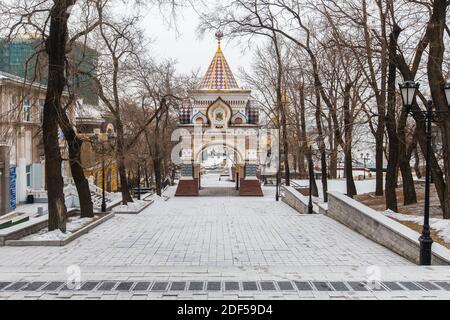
point(27, 228)
point(296, 200)
point(381, 229)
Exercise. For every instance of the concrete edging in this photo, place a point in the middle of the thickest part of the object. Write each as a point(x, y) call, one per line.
point(137, 212)
point(26, 228)
point(381, 229)
point(297, 201)
point(59, 243)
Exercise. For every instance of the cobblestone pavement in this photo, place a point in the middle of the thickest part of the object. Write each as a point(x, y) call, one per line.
point(263, 246)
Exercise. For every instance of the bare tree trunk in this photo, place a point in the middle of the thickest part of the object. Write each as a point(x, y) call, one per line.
point(405, 152)
point(436, 27)
point(417, 163)
point(81, 183)
point(120, 157)
point(393, 158)
point(348, 127)
point(321, 145)
point(55, 47)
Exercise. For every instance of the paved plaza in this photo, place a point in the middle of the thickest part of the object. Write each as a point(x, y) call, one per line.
point(218, 247)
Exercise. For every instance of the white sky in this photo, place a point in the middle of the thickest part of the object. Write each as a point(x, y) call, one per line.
point(192, 51)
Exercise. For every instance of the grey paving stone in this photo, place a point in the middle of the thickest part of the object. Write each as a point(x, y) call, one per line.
point(4, 284)
point(16, 286)
point(89, 285)
point(160, 286)
point(267, 286)
point(52, 286)
point(393, 286)
point(107, 286)
point(250, 286)
point(285, 286)
point(213, 286)
point(231, 286)
point(444, 285)
point(33, 286)
point(196, 286)
point(411, 286)
point(322, 286)
point(142, 286)
point(339, 286)
point(357, 286)
point(429, 286)
point(124, 286)
point(303, 286)
point(178, 286)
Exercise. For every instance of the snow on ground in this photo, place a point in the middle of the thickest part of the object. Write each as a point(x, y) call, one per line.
point(73, 225)
point(215, 180)
point(135, 206)
point(441, 226)
point(363, 187)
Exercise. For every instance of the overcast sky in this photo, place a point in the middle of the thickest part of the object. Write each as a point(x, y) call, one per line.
point(186, 46)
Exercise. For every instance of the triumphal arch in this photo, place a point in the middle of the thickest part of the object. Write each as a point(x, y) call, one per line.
point(223, 116)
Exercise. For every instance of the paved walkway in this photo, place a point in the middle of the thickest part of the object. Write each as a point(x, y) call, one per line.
point(196, 241)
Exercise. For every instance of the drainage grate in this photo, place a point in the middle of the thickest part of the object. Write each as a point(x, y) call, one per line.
point(393, 286)
point(178, 286)
point(196, 286)
point(124, 286)
point(89, 286)
point(142, 286)
point(231, 286)
point(250, 286)
point(106, 286)
point(33, 286)
point(215, 286)
point(322, 286)
point(16, 286)
point(160, 286)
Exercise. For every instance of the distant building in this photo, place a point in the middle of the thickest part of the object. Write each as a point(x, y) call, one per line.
point(90, 120)
point(24, 58)
point(22, 163)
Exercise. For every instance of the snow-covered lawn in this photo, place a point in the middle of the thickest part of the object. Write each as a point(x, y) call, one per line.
point(441, 226)
point(73, 225)
point(363, 186)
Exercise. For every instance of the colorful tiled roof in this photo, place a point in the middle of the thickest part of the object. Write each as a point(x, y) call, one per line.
point(219, 75)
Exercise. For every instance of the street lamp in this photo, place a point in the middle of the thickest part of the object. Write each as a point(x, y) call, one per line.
point(408, 92)
point(311, 174)
point(98, 141)
point(365, 159)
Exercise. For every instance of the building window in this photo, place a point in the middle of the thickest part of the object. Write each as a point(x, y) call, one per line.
point(26, 110)
point(28, 174)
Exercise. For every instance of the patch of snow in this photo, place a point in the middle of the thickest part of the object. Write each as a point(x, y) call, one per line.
point(73, 225)
point(78, 223)
point(362, 187)
point(135, 206)
point(441, 226)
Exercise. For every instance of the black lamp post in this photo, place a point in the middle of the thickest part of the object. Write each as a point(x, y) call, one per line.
point(98, 141)
point(408, 92)
point(365, 159)
point(139, 179)
point(311, 174)
point(103, 185)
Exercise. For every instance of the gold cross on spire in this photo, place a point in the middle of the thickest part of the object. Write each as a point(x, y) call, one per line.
point(219, 36)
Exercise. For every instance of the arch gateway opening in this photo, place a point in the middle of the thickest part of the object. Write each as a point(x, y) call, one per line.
point(220, 134)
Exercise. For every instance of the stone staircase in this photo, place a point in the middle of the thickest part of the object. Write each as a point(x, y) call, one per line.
point(250, 188)
point(187, 188)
